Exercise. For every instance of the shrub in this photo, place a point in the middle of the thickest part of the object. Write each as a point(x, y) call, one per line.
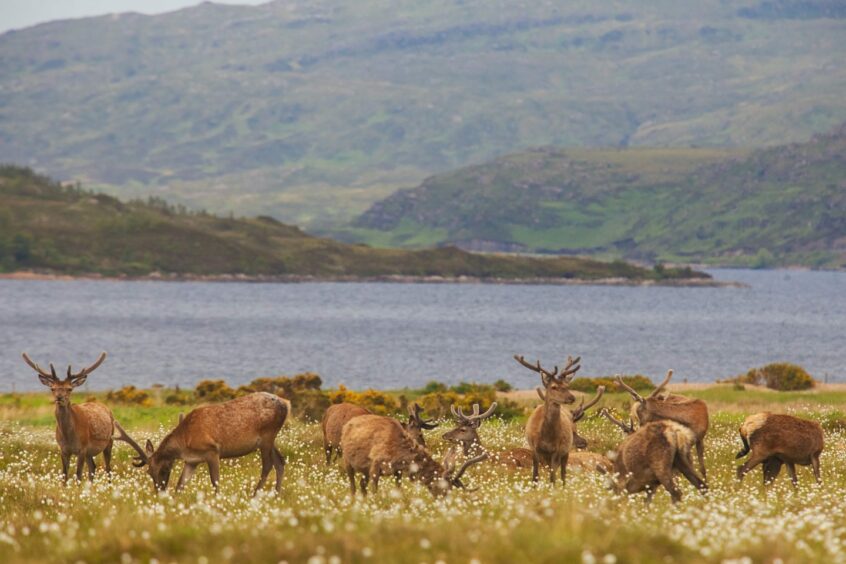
point(213, 391)
point(130, 395)
point(589, 385)
point(781, 376)
point(434, 386)
point(437, 404)
point(377, 402)
point(502, 386)
point(308, 402)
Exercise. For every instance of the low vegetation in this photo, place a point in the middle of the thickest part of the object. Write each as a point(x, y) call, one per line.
point(315, 518)
point(782, 376)
point(50, 227)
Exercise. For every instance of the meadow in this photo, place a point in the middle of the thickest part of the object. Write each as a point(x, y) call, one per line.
point(507, 520)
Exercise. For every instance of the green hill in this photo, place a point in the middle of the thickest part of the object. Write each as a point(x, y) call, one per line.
point(310, 111)
point(46, 226)
point(783, 205)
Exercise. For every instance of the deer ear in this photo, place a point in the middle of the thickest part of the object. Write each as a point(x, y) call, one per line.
point(79, 380)
point(181, 417)
point(148, 448)
point(45, 380)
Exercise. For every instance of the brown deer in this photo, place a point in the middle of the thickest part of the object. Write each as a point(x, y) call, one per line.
point(376, 446)
point(650, 456)
point(549, 429)
point(337, 415)
point(688, 411)
point(84, 429)
point(775, 440)
point(209, 433)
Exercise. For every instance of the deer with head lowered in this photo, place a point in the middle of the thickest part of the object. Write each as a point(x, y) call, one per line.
point(651, 455)
point(549, 429)
point(209, 433)
point(376, 446)
point(779, 439)
point(692, 413)
point(84, 429)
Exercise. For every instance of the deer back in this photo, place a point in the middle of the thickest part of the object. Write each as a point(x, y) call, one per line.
point(93, 423)
point(791, 438)
point(370, 439)
point(334, 419)
point(690, 412)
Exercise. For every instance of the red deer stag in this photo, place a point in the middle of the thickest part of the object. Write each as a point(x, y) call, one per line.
point(649, 457)
point(775, 440)
point(377, 446)
point(692, 413)
point(549, 429)
point(230, 429)
point(84, 429)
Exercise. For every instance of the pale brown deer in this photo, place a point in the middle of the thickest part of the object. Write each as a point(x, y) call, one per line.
point(650, 456)
point(690, 412)
point(376, 446)
point(549, 429)
point(85, 429)
point(775, 440)
point(210, 433)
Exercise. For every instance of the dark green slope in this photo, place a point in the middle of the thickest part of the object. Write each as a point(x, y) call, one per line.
point(784, 205)
point(311, 111)
point(45, 226)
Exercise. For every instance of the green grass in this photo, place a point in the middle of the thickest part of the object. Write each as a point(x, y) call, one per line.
point(507, 520)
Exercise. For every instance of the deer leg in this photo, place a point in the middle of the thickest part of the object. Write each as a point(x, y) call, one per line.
point(266, 466)
point(374, 476)
point(791, 470)
point(534, 467)
point(564, 459)
point(684, 466)
point(554, 461)
point(365, 479)
point(815, 464)
point(107, 461)
point(80, 462)
point(700, 454)
point(351, 476)
point(89, 460)
point(214, 470)
point(770, 469)
point(185, 476)
point(279, 464)
point(752, 462)
point(663, 470)
point(65, 465)
point(327, 450)
point(650, 493)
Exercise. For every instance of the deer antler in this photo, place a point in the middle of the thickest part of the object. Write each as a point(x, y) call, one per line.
point(475, 419)
point(546, 375)
point(572, 367)
point(636, 396)
point(89, 370)
point(49, 375)
point(580, 412)
point(661, 386)
point(414, 412)
point(627, 429)
point(456, 479)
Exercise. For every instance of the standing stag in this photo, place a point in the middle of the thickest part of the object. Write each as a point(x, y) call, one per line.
point(775, 439)
point(84, 429)
point(230, 429)
point(549, 429)
point(337, 415)
point(376, 446)
point(650, 456)
point(692, 413)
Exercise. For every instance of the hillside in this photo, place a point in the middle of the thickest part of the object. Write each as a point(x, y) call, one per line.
point(784, 205)
point(45, 226)
point(311, 110)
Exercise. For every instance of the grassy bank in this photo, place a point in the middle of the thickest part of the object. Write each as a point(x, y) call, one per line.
point(507, 520)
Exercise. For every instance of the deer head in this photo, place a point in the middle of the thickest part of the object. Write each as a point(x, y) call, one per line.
point(416, 424)
point(158, 466)
point(641, 408)
point(466, 431)
point(61, 389)
point(556, 385)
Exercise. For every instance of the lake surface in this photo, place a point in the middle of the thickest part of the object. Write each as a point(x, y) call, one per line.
point(395, 335)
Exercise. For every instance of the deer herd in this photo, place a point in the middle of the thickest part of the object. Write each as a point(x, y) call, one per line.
point(662, 431)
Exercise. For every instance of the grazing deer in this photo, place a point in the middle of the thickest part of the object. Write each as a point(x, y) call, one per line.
point(377, 446)
point(650, 456)
point(230, 429)
point(549, 429)
point(337, 415)
point(775, 439)
point(692, 413)
point(84, 429)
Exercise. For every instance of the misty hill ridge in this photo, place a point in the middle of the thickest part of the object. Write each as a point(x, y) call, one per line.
point(312, 110)
point(778, 206)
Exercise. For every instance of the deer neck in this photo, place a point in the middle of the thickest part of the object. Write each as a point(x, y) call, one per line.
point(64, 419)
point(551, 417)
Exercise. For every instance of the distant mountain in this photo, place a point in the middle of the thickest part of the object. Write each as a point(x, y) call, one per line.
point(784, 205)
point(311, 110)
point(47, 226)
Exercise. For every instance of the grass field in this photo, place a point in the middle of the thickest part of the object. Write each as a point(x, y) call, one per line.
point(506, 520)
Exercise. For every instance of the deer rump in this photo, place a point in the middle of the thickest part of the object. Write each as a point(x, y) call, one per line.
point(373, 444)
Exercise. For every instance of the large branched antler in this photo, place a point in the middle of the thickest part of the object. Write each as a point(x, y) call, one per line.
point(476, 418)
point(579, 413)
point(663, 384)
point(570, 370)
point(415, 417)
point(77, 378)
point(456, 478)
point(50, 376)
point(627, 429)
point(546, 375)
point(636, 396)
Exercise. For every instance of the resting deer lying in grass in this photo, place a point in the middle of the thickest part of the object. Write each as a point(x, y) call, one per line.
point(775, 439)
point(84, 429)
point(692, 413)
point(230, 429)
point(650, 456)
point(337, 415)
point(549, 429)
point(377, 446)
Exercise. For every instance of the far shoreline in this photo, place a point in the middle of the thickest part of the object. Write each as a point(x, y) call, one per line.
point(30, 275)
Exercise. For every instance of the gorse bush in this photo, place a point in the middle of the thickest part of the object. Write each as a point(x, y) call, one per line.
point(464, 395)
point(502, 386)
point(377, 402)
point(130, 395)
point(589, 385)
point(213, 391)
point(782, 376)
